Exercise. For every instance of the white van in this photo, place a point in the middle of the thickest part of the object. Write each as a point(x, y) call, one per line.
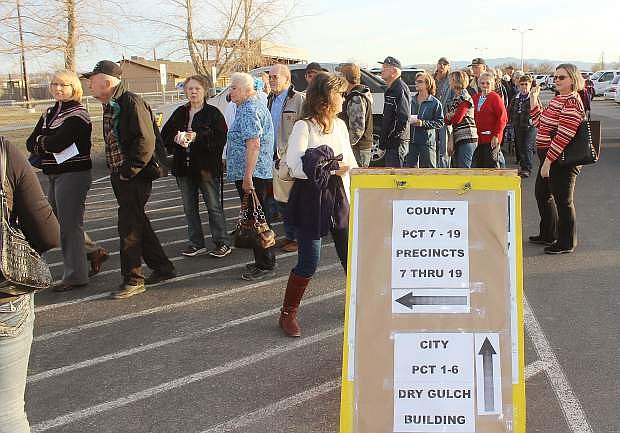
point(602, 80)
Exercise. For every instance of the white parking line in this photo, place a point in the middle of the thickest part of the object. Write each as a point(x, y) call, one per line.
point(534, 369)
point(272, 409)
point(167, 307)
point(247, 361)
point(573, 412)
point(172, 280)
point(193, 335)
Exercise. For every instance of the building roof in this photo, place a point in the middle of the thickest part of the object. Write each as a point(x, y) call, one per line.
point(178, 69)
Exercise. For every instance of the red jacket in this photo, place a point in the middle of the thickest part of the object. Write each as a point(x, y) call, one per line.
point(491, 119)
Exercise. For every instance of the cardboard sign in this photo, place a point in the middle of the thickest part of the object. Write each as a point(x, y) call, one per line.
point(433, 322)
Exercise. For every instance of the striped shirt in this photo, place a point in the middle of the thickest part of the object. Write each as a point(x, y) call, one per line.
point(558, 123)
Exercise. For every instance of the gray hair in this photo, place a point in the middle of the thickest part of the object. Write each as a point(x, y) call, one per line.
point(242, 80)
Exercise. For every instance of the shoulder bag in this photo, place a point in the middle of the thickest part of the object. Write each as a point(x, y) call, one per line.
point(21, 265)
point(585, 146)
point(252, 230)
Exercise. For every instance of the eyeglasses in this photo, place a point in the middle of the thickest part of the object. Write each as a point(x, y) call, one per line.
point(560, 77)
point(63, 85)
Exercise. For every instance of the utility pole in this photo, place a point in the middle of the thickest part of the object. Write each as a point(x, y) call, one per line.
point(21, 46)
point(523, 32)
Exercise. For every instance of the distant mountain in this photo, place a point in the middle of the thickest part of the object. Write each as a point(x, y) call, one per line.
point(584, 66)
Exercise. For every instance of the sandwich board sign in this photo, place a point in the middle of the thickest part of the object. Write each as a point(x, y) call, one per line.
point(434, 318)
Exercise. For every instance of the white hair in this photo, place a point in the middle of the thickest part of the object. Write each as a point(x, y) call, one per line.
point(242, 80)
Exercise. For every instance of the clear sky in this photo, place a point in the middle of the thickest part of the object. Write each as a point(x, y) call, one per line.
point(416, 32)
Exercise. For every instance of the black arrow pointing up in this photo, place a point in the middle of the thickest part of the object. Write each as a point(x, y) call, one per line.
point(487, 351)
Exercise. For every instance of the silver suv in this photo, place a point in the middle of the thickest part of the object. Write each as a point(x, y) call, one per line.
point(376, 85)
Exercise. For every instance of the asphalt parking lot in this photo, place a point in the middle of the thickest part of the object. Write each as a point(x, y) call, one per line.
point(202, 352)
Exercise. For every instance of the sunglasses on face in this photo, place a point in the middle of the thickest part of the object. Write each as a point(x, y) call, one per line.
point(560, 77)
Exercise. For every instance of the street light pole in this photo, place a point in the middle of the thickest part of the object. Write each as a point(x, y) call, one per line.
point(523, 32)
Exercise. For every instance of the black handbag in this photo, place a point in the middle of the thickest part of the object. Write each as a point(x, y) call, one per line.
point(21, 265)
point(585, 146)
point(252, 230)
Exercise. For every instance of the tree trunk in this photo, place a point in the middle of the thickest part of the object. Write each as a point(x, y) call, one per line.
point(197, 61)
point(72, 29)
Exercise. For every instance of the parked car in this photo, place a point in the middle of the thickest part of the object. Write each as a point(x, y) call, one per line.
point(376, 85)
point(541, 80)
point(617, 97)
point(550, 84)
point(602, 80)
point(408, 75)
point(613, 88)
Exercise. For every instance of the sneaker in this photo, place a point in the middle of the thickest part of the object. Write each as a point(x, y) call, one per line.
point(127, 291)
point(65, 287)
point(220, 251)
point(250, 266)
point(193, 251)
point(258, 274)
point(158, 277)
point(556, 249)
point(538, 239)
point(524, 174)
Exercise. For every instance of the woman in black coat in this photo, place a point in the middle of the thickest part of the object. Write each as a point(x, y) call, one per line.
point(196, 134)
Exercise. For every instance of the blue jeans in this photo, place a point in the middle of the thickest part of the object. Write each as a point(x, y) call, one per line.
point(289, 229)
point(209, 186)
point(395, 156)
point(525, 146)
point(362, 157)
point(16, 323)
point(421, 155)
point(443, 159)
point(463, 154)
point(309, 252)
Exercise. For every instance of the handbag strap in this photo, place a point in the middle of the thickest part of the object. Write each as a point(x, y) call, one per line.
point(259, 215)
point(4, 208)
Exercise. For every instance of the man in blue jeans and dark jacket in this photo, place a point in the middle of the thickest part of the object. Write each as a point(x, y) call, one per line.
point(396, 110)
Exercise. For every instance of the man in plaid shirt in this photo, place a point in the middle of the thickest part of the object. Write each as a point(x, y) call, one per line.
point(129, 136)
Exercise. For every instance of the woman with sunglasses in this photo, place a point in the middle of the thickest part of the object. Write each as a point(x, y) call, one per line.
point(557, 125)
point(491, 118)
point(426, 119)
point(319, 156)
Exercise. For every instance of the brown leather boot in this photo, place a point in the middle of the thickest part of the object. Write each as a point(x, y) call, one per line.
point(295, 289)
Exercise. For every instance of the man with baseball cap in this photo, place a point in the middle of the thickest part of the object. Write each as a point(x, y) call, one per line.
point(478, 66)
point(129, 134)
point(394, 137)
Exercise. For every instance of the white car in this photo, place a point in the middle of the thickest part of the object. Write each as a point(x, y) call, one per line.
point(376, 85)
point(602, 80)
point(541, 80)
point(611, 91)
point(617, 97)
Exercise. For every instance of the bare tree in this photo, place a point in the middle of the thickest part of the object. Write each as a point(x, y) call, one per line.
point(232, 38)
point(45, 30)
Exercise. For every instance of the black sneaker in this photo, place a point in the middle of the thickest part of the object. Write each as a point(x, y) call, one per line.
point(538, 239)
point(524, 174)
point(220, 251)
point(158, 277)
point(193, 251)
point(556, 249)
point(258, 274)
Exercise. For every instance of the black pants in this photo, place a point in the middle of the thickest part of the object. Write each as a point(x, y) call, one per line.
point(485, 157)
point(554, 197)
point(137, 238)
point(264, 258)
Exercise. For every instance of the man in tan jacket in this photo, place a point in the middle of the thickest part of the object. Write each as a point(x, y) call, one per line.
point(285, 105)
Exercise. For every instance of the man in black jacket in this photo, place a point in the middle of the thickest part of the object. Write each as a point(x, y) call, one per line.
point(129, 136)
point(396, 110)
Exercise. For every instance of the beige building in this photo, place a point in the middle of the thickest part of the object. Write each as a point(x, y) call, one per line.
point(141, 75)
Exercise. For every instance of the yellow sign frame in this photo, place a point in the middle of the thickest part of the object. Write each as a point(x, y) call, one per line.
point(447, 179)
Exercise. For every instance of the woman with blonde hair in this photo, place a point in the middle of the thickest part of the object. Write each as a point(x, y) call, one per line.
point(460, 114)
point(491, 118)
point(61, 139)
point(319, 157)
point(555, 184)
point(426, 119)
